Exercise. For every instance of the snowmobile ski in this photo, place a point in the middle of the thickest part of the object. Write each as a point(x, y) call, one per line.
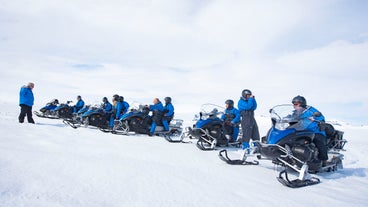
point(224, 157)
point(297, 183)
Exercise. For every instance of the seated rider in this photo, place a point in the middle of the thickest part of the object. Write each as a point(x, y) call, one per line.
point(157, 110)
point(231, 118)
point(305, 111)
point(168, 113)
point(119, 110)
point(79, 105)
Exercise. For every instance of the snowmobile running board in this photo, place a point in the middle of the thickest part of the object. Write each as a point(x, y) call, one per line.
point(224, 157)
point(74, 126)
point(297, 183)
point(44, 116)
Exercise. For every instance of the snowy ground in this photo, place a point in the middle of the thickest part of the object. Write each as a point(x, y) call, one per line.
point(51, 164)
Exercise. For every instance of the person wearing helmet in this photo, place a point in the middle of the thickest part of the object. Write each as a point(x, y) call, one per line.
point(157, 111)
point(119, 110)
point(79, 105)
point(168, 113)
point(304, 112)
point(247, 104)
point(231, 118)
point(106, 105)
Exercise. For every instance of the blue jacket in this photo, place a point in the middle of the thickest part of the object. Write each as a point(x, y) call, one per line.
point(312, 125)
point(26, 96)
point(248, 105)
point(121, 108)
point(107, 107)
point(79, 104)
point(233, 113)
point(158, 106)
point(169, 110)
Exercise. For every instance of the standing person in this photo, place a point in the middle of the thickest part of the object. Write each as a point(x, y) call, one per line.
point(305, 112)
point(168, 113)
point(26, 100)
point(79, 105)
point(231, 118)
point(157, 110)
point(247, 105)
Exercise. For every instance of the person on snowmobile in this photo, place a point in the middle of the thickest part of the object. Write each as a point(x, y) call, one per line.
point(50, 105)
point(247, 104)
point(305, 112)
point(106, 105)
point(168, 113)
point(231, 118)
point(79, 105)
point(26, 100)
point(157, 110)
point(119, 110)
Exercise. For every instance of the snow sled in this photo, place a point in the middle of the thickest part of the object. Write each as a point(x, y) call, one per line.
point(48, 111)
point(291, 146)
point(89, 116)
point(138, 121)
point(209, 129)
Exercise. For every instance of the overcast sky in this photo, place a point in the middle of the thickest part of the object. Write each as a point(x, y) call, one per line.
point(193, 50)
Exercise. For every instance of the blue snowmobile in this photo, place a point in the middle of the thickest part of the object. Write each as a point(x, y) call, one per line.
point(138, 121)
point(209, 129)
point(89, 116)
point(48, 110)
point(291, 146)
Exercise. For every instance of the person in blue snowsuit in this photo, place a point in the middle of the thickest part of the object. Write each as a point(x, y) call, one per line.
point(107, 107)
point(168, 113)
point(231, 118)
point(305, 112)
point(247, 104)
point(157, 111)
point(79, 105)
point(26, 100)
point(119, 110)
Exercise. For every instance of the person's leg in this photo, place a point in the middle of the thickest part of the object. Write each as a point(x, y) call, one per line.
point(29, 114)
point(23, 112)
point(153, 128)
point(165, 124)
point(320, 142)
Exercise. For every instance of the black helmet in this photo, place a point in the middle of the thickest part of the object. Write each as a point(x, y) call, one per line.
point(167, 100)
point(56, 101)
point(104, 99)
point(301, 100)
point(246, 92)
point(79, 97)
point(115, 97)
point(230, 104)
point(121, 98)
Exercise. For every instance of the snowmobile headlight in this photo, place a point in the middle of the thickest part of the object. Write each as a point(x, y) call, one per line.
point(282, 125)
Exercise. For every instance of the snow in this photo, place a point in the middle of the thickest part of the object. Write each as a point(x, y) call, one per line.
point(52, 164)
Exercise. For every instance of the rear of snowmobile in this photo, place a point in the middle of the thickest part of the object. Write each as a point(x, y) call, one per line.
point(208, 129)
point(289, 145)
point(48, 111)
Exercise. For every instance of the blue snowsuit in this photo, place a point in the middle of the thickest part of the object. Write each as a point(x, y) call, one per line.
point(248, 122)
point(157, 110)
point(320, 137)
point(78, 106)
point(168, 115)
point(120, 109)
point(231, 118)
point(26, 100)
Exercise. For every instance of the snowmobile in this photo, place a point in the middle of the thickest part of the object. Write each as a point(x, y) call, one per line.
point(89, 116)
point(138, 121)
point(290, 145)
point(209, 129)
point(64, 110)
point(48, 110)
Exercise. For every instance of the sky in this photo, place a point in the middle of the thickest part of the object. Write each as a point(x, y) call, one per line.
point(195, 51)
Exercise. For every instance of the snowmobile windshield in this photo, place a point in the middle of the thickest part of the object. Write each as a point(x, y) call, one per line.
point(136, 106)
point(286, 117)
point(209, 110)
